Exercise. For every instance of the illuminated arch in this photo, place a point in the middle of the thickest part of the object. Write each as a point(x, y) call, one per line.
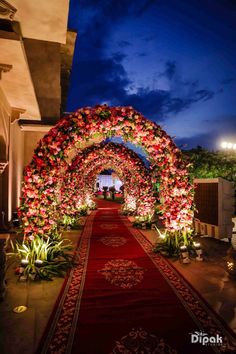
point(40, 191)
point(83, 170)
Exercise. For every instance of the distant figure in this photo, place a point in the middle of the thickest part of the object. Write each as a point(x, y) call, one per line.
point(105, 192)
point(112, 190)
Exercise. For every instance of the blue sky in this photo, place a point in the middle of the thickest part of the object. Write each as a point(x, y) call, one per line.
point(172, 60)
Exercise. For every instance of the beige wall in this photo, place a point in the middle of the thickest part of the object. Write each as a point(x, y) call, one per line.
point(16, 161)
point(67, 53)
point(5, 112)
point(21, 146)
point(31, 140)
point(30, 87)
point(42, 19)
point(45, 67)
point(17, 83)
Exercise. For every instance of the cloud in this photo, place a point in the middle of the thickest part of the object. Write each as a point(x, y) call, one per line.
point(204, 140)
point(145, 6)
point(189, 83)
point(97, 78)
point(119, 57)
point(177, 104)
point(96, 81)
point(97, 18)
point(228, 81)
point(124, 44)
point(105, 80)
point(203, 95)
point(170, 69)
point(141, 54)
point(151, 103)
point(150, 38)
point(219, 129)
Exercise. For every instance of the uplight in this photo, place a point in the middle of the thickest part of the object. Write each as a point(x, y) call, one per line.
point(224, 145)
point(228, 145)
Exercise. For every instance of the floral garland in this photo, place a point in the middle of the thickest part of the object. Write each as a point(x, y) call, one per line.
point(42, 178)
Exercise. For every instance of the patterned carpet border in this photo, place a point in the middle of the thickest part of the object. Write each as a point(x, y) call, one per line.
point(62, 327)
point(205, 318)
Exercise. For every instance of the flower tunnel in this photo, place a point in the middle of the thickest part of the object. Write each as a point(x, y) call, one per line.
point(53, 158)
point(82, 173)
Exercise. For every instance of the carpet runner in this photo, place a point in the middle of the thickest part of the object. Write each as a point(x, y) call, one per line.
point(123, 298)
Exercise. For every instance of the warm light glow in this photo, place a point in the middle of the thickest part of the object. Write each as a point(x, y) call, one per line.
point(228, 145)
point(183, 248)
point(62, 182)
point(130, 203)
point(24, 261)
point(224, 145)
point(196, 244)
point(38, 262)
point(89, 200)
point(79, 203)
point(230, 265)
point(161, 235)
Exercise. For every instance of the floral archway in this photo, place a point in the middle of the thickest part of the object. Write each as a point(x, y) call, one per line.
point(82, 172)
point(42, 177)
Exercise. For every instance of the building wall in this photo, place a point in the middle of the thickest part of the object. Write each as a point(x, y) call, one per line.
point(67, 53)
point(5, 112)
point(44, 61)
point(32, 43)
point(16, 164)
point(21, 148)
point(31, 140)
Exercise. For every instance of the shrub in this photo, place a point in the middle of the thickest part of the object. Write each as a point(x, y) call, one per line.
point(42, 259)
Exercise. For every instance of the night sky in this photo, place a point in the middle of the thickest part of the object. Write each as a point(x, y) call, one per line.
point(172, 60)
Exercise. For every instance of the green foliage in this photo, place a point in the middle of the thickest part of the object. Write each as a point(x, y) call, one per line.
point(140, 220)
point(83, 210)
point(92, 205)
point(45, 258)
point(68, 220)
point(206, 164)
point(105, 114)
point(171, 242)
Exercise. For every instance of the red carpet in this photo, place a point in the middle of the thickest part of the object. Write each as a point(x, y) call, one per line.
point(122, 298)
point(107, 204)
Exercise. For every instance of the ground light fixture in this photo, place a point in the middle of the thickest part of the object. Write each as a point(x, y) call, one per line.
point(198, 250)
point(20, 309)
point(231, 263)
point(184, 254)
point(228, 145)
point(38, 262)
point(24, 262)
point(231, 267)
